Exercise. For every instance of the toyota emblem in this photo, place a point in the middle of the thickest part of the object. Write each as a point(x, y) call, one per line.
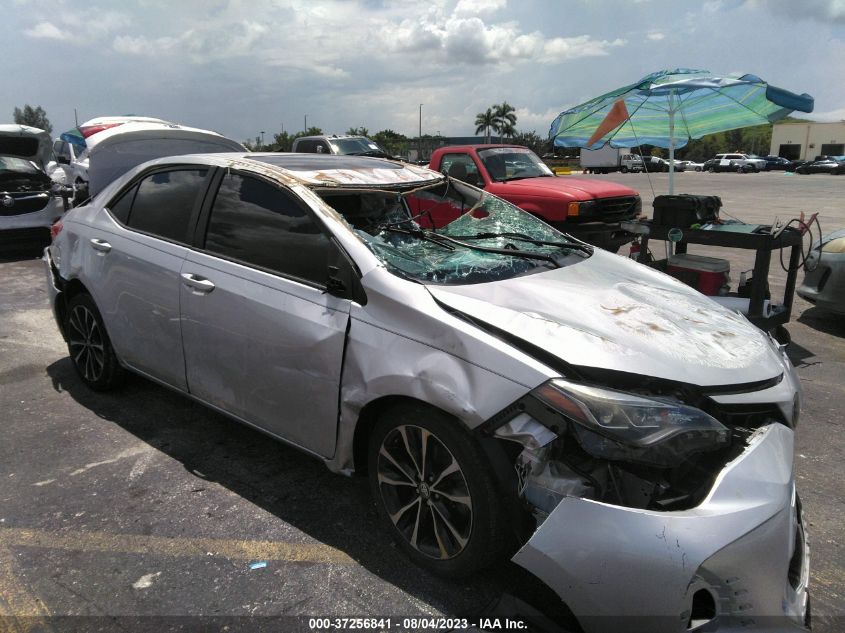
point(8, 201)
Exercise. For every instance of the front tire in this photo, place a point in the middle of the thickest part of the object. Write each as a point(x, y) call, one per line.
point(89, 345)
point(432, 484)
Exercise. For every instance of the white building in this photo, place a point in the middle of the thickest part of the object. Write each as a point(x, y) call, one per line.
point(808, 139)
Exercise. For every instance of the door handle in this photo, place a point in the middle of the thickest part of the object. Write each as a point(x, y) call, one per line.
point(198, 284)
point(100, 245)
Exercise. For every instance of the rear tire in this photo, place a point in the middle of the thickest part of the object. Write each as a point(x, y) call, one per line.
point(433, 487)
point(89, 345)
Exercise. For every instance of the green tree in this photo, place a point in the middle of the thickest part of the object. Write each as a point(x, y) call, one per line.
point(34, 117)
point(505, 120)
point(484, 122)
point(393, 143)
point(531, 140)
point(358, 131)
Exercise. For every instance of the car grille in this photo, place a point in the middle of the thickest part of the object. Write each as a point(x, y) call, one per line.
point(617, 209)
point(21, 203)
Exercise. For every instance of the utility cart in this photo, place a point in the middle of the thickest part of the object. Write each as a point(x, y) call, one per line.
point(759, 238)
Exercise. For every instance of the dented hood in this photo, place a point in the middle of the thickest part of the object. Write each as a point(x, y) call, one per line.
point(612, 313)
point(568, 186)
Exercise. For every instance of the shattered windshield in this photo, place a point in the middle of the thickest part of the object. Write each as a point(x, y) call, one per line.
point(450, 233)
point(513, 163)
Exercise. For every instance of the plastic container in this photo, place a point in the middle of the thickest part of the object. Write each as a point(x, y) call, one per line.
point(708, 275)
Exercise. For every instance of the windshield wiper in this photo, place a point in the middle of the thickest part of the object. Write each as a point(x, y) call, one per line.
point(371, 152)
point(527, 238)
point(511, 252)
point(419, 234)
point(517, 178)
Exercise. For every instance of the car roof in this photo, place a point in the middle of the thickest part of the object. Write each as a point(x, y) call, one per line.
point(481, 146)
point(316, 169)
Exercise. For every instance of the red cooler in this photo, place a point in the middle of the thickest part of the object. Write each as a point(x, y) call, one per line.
point(708, 275)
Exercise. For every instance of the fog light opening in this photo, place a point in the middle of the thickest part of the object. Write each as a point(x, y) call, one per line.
point(703, 609)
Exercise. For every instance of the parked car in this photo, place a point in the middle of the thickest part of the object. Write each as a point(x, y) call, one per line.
point(657, 164)
point(824, 280)
point(334, 144)
point(30, 201)
point(774, 163)
point(590, 209)
point(506, 387)
point(691, 165)
point(718, 164)
point(830, 165)
point(744, 163)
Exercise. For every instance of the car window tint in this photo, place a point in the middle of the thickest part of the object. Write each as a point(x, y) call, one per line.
point(257, 223)
point(121, 206)
point(165, 201)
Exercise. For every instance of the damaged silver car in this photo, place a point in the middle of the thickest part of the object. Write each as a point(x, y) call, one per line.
point(30, 202)
point(510, 391)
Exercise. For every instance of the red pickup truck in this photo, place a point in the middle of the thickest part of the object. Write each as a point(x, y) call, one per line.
point(590, 210)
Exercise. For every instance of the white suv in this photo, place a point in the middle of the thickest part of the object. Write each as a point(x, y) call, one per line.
point(744, 161)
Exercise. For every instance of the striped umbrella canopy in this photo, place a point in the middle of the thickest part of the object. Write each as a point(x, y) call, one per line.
point(670, 107)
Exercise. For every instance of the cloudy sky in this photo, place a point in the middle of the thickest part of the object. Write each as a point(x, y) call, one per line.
point(242, 66)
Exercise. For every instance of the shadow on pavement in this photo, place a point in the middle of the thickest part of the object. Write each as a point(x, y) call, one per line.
point(823, 321)
point(298, 489)
point(23, 250)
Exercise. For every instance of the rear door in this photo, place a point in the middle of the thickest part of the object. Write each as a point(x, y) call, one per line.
point(263, 339)
point(133, 260)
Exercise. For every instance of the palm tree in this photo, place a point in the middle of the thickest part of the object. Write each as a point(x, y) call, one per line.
point(484, 121)
point(505, 119)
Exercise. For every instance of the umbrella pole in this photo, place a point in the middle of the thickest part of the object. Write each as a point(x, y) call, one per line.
point(671, 142)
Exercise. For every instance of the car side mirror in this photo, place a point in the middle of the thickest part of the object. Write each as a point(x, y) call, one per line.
point(342, 278)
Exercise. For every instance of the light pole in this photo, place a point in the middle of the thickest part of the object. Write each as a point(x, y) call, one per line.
point(420, 157)
point(305, 129)
point(262, 138)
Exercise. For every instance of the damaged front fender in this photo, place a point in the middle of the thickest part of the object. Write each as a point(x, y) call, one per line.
point(629, 569)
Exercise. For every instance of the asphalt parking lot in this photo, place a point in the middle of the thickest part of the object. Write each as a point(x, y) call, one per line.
point(137, 505)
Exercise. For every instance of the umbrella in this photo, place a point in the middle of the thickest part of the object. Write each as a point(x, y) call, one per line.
point(74, 137)
point(670, 107)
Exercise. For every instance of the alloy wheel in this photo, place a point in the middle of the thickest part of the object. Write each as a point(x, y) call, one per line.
point(424, 492)
point(85, 339)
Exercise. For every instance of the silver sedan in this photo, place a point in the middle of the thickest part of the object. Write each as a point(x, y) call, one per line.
point(509, 390)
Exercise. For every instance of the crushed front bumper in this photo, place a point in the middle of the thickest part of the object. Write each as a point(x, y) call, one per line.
point(738, 561)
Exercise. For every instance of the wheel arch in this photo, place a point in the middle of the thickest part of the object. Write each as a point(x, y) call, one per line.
point(70, 289)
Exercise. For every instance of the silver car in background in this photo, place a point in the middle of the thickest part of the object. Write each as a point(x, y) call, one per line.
point(510, 391)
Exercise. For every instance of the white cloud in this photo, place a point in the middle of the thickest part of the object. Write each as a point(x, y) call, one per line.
point(47, 30)
point(457, 40)
point(655, 36)
point(832, 115)
point(478, 7)
point(820, 10)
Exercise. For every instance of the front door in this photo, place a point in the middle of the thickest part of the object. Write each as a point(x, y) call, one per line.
point(263, 340)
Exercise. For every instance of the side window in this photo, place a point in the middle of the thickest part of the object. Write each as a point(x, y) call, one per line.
point(323, 148)
point(306, 146)
point(120, 207)
point(257, 223)
point(460, 167)
point(165, 202)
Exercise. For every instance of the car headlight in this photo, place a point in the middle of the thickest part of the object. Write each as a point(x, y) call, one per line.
point(834, 246)
point(616, 425)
